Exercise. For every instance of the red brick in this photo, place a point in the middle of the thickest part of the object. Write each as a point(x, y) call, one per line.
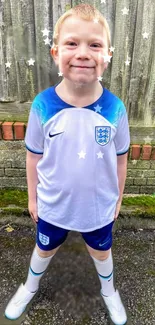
point(0, 130)
point(146, 152)
point(135, 151)
point(153, 153)
point(19, 130)
point(7, 130)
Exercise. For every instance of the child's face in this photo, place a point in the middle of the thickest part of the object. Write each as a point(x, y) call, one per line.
point(81, 46)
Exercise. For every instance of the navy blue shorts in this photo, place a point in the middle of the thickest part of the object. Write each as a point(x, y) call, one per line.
point(49, 236)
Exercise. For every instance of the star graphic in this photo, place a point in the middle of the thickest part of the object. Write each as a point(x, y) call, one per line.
point(8, 64)
point(134, 162)
point(31, 61)
point(45, 32)
point(47, 41)
point(82, 154)
point(125, 11)
point(96, 21)
point(127, 62)
point(103, 1)
point(60, 74)
point(107, 58)
point(145, 35)
point(100, 78)
point(98, 109)
point(100, 155)
point(147, 140)
point(111, 49)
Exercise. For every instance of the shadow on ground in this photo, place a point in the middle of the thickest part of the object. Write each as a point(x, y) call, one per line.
point(70, 291)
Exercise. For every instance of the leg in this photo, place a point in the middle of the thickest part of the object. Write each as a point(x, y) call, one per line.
point(99, 244)
point(104, 266)
point(49, 239)
point(99, 255)
point(40, 260)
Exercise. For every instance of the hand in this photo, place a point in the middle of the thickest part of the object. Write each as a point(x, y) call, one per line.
point(118, 206)
point(33, 211)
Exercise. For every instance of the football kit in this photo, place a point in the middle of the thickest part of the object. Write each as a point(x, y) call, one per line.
point(78, 184)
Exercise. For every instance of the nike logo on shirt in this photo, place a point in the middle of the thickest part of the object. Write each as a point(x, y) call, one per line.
point(53, 135)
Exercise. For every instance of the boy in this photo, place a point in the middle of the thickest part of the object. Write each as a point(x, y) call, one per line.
point(77, 141)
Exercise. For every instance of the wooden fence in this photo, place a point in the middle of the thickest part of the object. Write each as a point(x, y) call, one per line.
point(131, 73)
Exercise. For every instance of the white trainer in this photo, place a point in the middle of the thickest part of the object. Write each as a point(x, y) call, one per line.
point(18, 303)
point(116, 309)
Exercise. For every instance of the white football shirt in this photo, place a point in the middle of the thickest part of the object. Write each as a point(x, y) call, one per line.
point(78, 183)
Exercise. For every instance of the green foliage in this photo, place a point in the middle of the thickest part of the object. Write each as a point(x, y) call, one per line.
point(143, 200)
point(67, 7)
point(13, 197)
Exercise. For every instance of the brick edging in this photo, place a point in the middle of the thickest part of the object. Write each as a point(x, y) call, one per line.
point(12, 130)
point(144, 152)
point(16, 131)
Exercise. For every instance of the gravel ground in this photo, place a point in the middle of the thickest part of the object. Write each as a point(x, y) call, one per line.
point(70, 291)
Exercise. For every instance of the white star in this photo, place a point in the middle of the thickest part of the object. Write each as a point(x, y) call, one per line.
point(107, 58)
point(100, 155)
point(100, 78)
point(8, 64)
point(96, 21)
point(82, 154)
point(47, 41)
point(127, 62)
point(31, 61)
point(145, 35)
point(103, 1)
point(98, 109)
point(147, 140)
point(45, 32)
point(125, 11)
point(134, 162)
point(60, 74)
point(111, 49)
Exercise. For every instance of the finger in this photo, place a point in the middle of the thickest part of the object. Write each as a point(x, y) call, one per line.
point(33, 218)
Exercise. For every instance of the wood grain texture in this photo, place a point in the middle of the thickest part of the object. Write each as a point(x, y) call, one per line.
point(21, 38)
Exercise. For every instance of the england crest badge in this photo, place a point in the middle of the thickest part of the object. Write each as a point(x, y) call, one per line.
point(102, 134)
point(44, 239)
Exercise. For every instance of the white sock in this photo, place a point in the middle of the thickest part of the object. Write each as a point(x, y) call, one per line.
point(105, 273)
point(38, 266)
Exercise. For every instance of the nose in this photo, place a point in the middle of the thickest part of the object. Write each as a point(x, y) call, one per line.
point(82, 52)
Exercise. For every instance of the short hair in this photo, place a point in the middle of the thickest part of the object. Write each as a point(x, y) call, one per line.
point(86, 12)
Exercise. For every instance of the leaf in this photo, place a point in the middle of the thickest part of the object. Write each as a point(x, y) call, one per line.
point(9, 229)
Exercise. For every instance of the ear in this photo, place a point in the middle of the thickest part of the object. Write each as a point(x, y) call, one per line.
point(54, 54)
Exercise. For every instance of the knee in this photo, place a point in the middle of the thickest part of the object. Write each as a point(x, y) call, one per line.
point(99, 255)
point(42, 253)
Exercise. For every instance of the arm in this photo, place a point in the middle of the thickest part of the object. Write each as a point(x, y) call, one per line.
point(32, 181)
point(121, 173)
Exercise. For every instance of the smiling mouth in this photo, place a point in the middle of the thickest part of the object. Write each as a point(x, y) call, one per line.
point(81, 67)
